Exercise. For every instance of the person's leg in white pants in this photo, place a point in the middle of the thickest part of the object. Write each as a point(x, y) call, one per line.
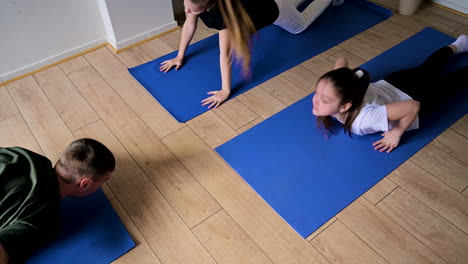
point(294, 21)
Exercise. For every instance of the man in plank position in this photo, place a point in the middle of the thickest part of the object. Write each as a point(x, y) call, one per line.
point(31, 191)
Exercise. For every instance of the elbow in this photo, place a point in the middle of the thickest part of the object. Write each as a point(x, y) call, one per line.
point(225, 55)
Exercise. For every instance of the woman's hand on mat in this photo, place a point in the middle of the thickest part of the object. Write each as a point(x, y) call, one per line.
point(217, 98)
point(389, 142)
point(167, 65)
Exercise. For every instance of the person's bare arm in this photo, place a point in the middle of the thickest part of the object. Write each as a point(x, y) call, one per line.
point(404, 113)
point(3, 255)
point(225, 62)
point(188, 30)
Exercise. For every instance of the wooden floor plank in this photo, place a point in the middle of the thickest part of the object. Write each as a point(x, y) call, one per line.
point(45, 123)
point(301, 77)
point(108, 192)
point(283, 90)
point(461, 126)
point(462, 30)
point(266, 228)
point(443, 23)
point(447, 241)
point(184, 193)
point(441, 198)
point(262, 103)
point(446, 13)
point(212, 129)
point(361, 48)
point(173, 39)
point(14, 132)
point(408, 22)
point(69, 103)
point(249, 125)
point(319, 65)
point(142, 252)
point(159, 224)
point(453, 144)
point(235, 113)
point(202, 32)
point(227, 242)
point(386, 237)
point(340, 245)
point(377, 39)
point(73, 64)
point(395, 31)
point(7, 106)
point(321, 229)
point(133, 57)
point(354, 60)
point(156, 48)
point(143, 103)
point(379, 191)
point(442, 166)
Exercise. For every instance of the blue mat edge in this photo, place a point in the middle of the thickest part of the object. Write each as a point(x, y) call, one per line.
point(380, 9)
point(50, 250)
point(308, 97)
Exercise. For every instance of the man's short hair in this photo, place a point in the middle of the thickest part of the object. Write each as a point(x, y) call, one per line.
point(86, 157)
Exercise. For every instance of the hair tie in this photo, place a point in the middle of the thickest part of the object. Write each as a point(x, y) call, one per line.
point(359, 73)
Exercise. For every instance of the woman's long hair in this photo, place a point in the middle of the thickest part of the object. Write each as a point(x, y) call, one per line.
point(351, 87)
point(240, 29)
point(239, 26)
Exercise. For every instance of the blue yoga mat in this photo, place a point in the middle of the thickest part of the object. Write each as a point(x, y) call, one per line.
point(307, 178)
point(274, 51)
point(91, 232)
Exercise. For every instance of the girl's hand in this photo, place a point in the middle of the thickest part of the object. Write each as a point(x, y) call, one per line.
point(167, 65)
point(388, 143)
point(216, 99)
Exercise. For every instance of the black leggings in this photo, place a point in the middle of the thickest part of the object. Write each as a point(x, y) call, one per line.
point(425, 84)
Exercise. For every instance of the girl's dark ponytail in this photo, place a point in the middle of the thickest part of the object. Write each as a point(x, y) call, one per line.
point(364, 78)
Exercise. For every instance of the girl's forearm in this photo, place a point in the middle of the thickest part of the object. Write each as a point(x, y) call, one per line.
point(188, 30)
point(225, 60)
point(404, 123)
point(225, 64)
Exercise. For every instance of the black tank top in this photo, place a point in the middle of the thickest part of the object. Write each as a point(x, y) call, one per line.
point(262, 12)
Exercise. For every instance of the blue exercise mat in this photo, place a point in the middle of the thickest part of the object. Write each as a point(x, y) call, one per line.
point(307, 178)
point(274, 51)
point(91, 233)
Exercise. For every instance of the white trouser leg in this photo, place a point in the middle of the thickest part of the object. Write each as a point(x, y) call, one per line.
point(294, 21)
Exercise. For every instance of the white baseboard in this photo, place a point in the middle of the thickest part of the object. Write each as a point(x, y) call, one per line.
point(145, 35)
point(50, 60)
point(458, 5)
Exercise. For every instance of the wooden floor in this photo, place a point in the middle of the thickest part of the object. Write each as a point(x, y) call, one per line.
point(183, 204)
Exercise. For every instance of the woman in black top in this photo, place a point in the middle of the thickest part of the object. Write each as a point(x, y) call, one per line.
point(237, 20)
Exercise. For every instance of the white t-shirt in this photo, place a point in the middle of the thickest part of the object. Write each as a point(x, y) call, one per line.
point(373, 116)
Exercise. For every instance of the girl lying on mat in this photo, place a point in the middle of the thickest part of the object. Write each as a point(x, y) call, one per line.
point(237, 21)
point(391, 105)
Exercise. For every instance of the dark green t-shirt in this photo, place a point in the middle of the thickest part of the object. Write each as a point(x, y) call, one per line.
point(29, 202)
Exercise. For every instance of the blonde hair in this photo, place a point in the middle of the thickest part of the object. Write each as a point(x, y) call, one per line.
point(239, 26)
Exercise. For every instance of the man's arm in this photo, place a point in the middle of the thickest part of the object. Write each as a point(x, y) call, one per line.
point(3, 255)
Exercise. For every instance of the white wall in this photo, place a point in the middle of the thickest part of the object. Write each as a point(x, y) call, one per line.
point(136, 20)
point(36, 33)
point(459, 5)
